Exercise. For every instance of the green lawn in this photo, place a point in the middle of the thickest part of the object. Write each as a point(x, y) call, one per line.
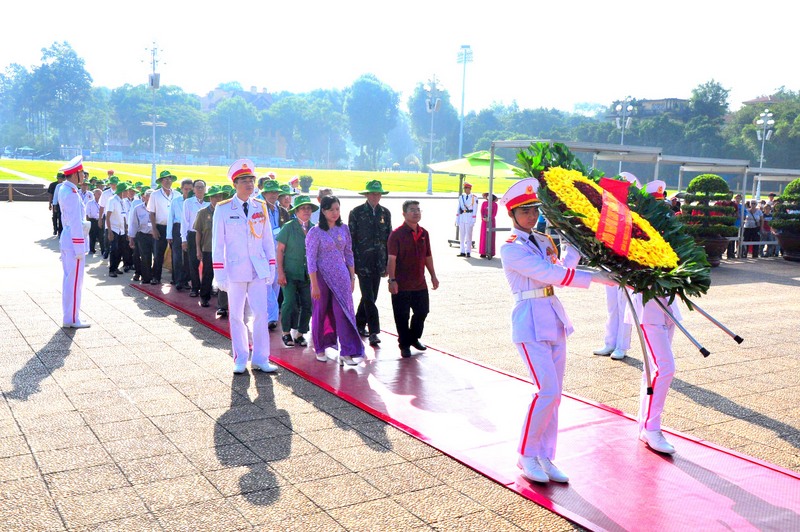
point(338, 179)
point(8, 177)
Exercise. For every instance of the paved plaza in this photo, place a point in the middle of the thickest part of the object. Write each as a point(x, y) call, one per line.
point(138, 424)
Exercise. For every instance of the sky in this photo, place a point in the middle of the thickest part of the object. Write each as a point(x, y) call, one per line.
point(540, 54)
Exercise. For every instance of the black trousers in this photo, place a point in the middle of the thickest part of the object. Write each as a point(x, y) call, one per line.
point(191, 258)
point(160, 249)
point(94, 235)
point(751, 234)
point(57, 226)
point(116, 249)
point(180, 264)
point(403, 304)
point(103, 237)
point(208, 276)
point(144, 245)
point(367, 313)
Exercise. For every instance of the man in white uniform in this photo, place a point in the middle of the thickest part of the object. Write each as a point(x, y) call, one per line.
point(72, 243)
point(465, 219)
point(539, 324)
point(243, 258)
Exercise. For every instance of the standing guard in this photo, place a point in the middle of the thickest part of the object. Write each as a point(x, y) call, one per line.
point(72, 243)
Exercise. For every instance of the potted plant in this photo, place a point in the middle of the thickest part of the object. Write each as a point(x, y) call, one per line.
point(709, 215)
point(786, 221)
point(305, 183)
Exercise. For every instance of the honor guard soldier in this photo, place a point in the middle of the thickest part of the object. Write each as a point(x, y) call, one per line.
point(243, 258)
point(465, 219)
point(539, 324)
point(72, 243)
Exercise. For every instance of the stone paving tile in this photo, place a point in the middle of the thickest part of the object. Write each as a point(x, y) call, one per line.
point(257, 476)
point(338, 491)
point(140, 523)
point(381, 514)
point(217, 515)
point(72, 458)
point(366, 456)
point(399, 478)
point(222, 456)
point(297, 469)
point(26, 505)
point(8, 428)
point(273, 506)
point(93, 508)
point(115, 412)
point(258, 430)
point(192, 420)
point(13, 446)
point(140, 447)
point(85, 480)
point(124, 430)
point(51, 441)
point(177, 492)
point(281, 447)
point(155, 468)
point(446, 469)
point(17, 467)
point(437, 503)
point(316, 522)
point(484, 521)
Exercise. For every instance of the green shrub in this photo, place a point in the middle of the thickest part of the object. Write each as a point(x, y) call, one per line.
point(708, 184)
point(707, 211)
point(787, 213)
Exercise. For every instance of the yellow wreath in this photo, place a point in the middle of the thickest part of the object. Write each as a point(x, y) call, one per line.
point(652, 253)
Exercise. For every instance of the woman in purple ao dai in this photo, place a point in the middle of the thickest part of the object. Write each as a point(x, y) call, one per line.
point(329, 255)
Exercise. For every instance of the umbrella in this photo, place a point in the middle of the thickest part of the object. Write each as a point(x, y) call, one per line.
point(475, 164)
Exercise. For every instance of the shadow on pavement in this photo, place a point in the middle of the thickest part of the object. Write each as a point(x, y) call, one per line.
point(27, 380)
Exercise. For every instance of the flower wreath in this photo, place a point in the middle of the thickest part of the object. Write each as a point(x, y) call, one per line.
point(658, 259)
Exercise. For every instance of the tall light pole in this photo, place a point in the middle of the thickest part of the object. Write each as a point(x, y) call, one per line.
point(764, 133)
point(432, 105)
point(623, 121)
point(155, 83)
point(464, 56)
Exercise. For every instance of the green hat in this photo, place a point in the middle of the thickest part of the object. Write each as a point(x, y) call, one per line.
point(60, 175)
point(213, 190)
point(271, 186)
point(300, 201)
point(113, 180)
point(373, 186)
point(286, 189)
point(122, 187)
point(166, 173)
point(138, 184)
point(228, 190)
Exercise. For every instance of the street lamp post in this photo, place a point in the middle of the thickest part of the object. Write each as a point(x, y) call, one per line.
point(464, 56)
point(764, 133)
point(155, 82)
point(623, 121)
point(432, 105)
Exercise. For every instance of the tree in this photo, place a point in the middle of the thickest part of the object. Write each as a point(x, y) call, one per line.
point(401, 142)
point(445, 125)
point(710, 100)
point(234, 122)
point(371, 108)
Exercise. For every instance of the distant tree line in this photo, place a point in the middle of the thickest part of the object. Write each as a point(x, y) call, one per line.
point(54, 104)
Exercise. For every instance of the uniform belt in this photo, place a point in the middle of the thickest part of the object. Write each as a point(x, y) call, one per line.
point(547, 291)
point(470, 210)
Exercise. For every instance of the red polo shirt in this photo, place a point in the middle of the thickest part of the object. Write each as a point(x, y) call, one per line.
point(411, 249)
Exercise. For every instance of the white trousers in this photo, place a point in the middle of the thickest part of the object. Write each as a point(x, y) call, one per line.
point(255, 292)
point(545, 362)
point(662, 369)
point(465, 236)
point(71, 286)
point(618, 333)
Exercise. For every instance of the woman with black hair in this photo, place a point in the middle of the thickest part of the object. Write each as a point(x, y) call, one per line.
point(329, 256)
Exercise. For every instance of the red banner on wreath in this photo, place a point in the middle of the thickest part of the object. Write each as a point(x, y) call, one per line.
point(615, 226)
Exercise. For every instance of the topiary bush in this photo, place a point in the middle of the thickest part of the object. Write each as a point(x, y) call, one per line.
point(787, 212)
point(305, 183)
point(707, 211)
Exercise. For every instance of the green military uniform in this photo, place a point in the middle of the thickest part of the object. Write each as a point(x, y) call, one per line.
point(298, 285)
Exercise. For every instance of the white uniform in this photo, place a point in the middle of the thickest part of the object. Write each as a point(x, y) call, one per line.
point(74, 245)
point(465, 218)
point(658, 331)
point(540, 327)
point(618, 331)
point(243, 256)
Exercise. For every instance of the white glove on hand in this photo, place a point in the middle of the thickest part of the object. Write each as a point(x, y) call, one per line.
point(603, 278)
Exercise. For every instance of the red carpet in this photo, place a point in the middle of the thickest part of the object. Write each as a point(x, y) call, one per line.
point(474, 413)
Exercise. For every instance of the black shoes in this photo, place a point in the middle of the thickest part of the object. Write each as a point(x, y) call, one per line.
point(301, 341)
point(374, 340)
point(153, 281)
point(222, 313)
point(272, 325)
point(194, 293)
point(137, 277)
point(405, 352)
point(461, 255)
point(204, 302)
point(418, 345)
point(363, 332)
point(287, 340)
point(112, 274)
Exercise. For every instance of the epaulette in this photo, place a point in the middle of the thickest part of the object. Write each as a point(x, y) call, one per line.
point(511, 239)
point(260, 200)
point(223, 202)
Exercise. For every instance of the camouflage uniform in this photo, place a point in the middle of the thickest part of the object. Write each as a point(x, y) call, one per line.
point(370, 231)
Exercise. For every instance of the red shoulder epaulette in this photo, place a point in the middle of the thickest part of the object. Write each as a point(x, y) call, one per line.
point(511, 239)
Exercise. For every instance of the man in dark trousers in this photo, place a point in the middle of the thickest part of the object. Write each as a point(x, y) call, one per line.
point(55, 211)
point(370, 226)
point(409, 250)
